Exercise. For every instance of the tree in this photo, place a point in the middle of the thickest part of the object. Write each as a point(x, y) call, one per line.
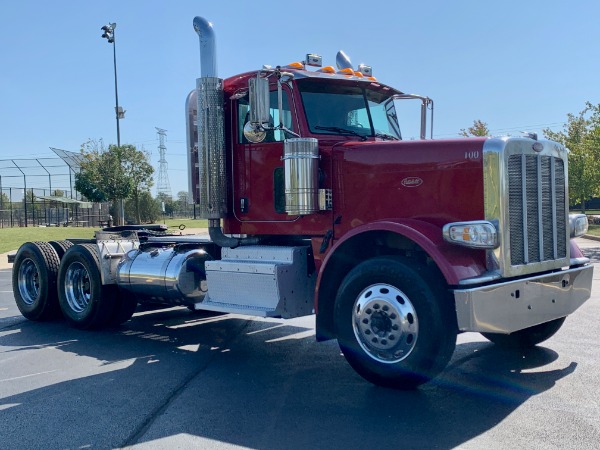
point(168, 202)
point(114, 174)
point(182, 203)
point(149, 208)
point(581, 135)
point(4, 200)
point(5, 207)
point(479, 128)
point(139, 169)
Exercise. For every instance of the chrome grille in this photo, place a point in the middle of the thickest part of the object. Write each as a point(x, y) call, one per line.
point(537, 208)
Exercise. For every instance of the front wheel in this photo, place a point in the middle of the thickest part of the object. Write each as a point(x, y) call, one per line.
point(84, 301)
point(395, 322)
point(527, 338)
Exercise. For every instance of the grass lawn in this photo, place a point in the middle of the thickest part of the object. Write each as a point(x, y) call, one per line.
point(594, 230)
point(189, 223)
point(12, 238)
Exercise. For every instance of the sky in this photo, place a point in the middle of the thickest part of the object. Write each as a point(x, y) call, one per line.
point(518, 65)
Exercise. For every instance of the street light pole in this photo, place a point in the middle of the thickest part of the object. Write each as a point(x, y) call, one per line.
point(109, 35)
point(117, 112)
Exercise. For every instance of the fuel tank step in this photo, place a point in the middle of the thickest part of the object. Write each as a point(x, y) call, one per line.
point(266, 281)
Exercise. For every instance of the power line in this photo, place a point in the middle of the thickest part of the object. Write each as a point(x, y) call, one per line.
point(163, 186)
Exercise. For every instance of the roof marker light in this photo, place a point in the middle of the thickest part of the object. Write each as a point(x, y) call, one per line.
point(327, 69)
point(346, 71)
point(295, 65)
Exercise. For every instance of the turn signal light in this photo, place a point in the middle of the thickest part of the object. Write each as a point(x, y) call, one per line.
point(479, 234)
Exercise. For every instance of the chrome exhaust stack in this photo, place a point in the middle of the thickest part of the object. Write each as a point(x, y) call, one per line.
point(212, 183)
point(191, 123)
point(211, 124)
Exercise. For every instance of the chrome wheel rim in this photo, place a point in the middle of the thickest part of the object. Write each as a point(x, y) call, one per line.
point(78, 287)
point(385, 323)
point(29, 282)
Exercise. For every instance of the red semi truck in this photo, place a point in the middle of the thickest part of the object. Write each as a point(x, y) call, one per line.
point(316, 204)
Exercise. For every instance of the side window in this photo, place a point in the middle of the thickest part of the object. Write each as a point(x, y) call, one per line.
point(243, 116)
point(272, 135)
point(286, 113)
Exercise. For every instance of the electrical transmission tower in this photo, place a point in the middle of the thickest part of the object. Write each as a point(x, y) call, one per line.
point(162, 186)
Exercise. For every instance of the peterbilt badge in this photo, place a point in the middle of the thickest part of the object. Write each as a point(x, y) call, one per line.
point(412, 182)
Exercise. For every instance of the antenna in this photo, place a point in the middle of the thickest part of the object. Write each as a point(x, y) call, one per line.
point(163, 186)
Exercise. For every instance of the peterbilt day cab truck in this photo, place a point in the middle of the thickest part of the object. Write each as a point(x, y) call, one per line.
point(316, 204)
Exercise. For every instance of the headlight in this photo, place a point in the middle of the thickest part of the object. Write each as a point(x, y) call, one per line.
point(578, 223)
point(479, 234)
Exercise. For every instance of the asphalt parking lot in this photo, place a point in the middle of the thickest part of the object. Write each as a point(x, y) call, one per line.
point(170, 378)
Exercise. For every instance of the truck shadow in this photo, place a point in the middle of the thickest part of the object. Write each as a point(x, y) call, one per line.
point(257, 384)
point(592, 253)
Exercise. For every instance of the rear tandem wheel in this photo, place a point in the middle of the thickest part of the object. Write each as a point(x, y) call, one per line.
point(85, 302)
point(34, 281)
point(61, 247)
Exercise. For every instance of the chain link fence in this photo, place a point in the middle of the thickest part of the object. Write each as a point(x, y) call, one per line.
point(40, 192)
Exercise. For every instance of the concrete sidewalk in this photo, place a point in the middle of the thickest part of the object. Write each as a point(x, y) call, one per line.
point(4, 264)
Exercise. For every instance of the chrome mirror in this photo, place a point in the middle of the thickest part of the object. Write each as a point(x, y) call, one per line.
point(259, 101)
point(254, 133)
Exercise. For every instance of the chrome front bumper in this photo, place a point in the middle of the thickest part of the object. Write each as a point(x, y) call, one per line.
point(515, 305)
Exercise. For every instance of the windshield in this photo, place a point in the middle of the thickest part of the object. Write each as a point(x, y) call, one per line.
point(349, 109)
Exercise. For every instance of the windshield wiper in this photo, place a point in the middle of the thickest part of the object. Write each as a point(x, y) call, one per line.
point(386, 137)
point(342, 131)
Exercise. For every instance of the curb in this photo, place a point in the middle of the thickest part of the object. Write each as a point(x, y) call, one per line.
point(591, 237)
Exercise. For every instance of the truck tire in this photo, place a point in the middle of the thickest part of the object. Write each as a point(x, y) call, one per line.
point(395, 322)
point(61, 247)
point(125, 306)
point(84, 301)
point(527, 338)
point(34, 277)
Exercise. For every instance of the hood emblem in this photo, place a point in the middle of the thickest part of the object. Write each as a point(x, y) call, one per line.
point(538, 146)
point(411, 182)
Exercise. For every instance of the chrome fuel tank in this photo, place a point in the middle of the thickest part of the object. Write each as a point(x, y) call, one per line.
point(171, 274)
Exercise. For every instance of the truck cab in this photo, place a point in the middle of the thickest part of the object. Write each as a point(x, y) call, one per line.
point(317, 204)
